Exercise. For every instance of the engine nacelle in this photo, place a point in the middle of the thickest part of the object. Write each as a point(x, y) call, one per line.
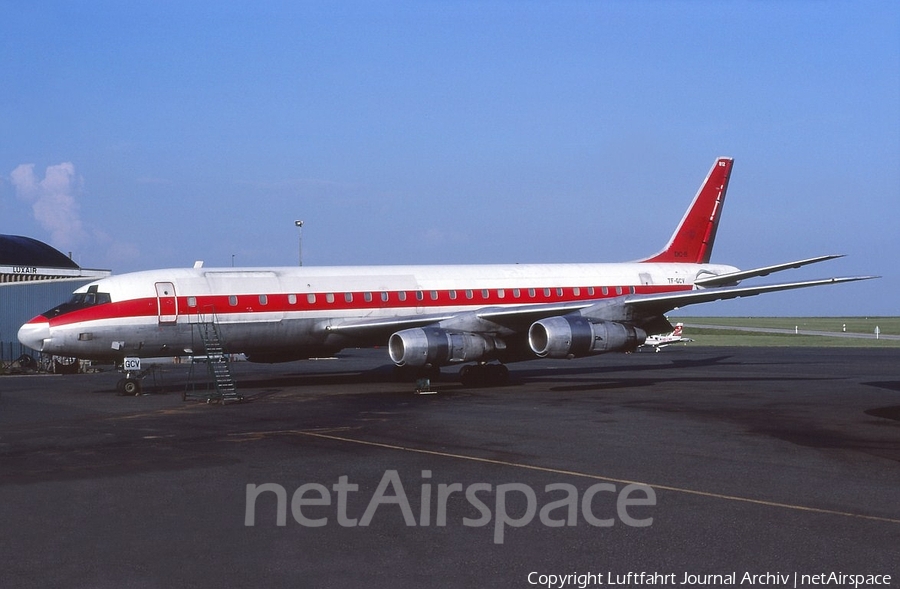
point(570, 336)
point(438, 347)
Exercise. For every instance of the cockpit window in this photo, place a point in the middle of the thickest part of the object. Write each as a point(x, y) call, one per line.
point(89, 299)
point(80, 300)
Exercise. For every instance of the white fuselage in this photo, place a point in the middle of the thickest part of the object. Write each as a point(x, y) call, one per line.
point(290, 312)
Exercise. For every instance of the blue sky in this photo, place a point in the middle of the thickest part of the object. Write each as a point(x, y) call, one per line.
point(151, 134)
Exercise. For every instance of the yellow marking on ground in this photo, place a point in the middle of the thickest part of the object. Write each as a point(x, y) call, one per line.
point(261, 435)
point(804, 508)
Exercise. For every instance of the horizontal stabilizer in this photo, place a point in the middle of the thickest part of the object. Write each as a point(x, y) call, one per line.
point(661, 303)
point(735, 277)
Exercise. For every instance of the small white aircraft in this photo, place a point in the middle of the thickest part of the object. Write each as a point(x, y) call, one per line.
point(662, 340)
point(428, 316)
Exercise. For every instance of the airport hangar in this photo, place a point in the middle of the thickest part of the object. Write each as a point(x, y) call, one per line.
point(34, 277)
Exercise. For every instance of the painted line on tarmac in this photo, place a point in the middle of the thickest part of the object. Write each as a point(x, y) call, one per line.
point(804, 508)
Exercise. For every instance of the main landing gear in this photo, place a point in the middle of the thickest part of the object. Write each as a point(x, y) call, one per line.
point(484, 375)
point(470, 375)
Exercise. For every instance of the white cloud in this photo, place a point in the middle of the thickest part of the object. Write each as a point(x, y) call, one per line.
point(52, 200)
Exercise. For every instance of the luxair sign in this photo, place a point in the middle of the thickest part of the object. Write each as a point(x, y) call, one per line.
point(23, 272)
point(30, 273)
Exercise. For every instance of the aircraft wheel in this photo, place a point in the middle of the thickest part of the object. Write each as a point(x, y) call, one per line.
point(471, 376)
point(484, 375)
point(497, 374)
point(130, 386)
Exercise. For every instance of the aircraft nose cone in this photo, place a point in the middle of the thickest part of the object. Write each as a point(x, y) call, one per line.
point(33, 333)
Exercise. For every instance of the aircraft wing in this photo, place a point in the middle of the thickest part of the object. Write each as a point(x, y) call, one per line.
point(515, 318)
point(518, 318)
point(642, 305)
point(372, 326)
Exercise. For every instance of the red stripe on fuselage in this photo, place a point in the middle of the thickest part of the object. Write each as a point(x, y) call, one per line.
point(362, 301)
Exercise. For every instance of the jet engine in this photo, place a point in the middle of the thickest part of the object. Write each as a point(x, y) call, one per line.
point(439, 347)
point(571, 336)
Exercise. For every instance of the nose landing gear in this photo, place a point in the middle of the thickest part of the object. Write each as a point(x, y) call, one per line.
point(129, 385)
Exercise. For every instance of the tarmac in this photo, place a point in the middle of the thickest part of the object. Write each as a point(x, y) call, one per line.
point(780, 462)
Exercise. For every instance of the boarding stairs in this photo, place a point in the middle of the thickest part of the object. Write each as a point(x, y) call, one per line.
point(219, 386)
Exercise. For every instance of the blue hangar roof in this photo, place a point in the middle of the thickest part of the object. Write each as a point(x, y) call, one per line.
point(16, 250)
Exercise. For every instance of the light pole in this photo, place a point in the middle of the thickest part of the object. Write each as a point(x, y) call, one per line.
point(299, 225)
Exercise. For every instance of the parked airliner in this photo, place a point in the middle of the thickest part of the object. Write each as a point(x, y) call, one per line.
point(428, 316)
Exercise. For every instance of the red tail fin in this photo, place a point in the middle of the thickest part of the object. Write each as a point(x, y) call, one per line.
point(693, 240)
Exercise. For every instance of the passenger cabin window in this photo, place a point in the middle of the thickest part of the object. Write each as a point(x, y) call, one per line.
point(192, 301)
point(434, 295)
point(384, 297)
point(311, 298)
point(368, 297)
point(348, 297)
point(263, 299)
point(292, 299)
point(329, 297)
point(232, 300)
point(401, 295)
